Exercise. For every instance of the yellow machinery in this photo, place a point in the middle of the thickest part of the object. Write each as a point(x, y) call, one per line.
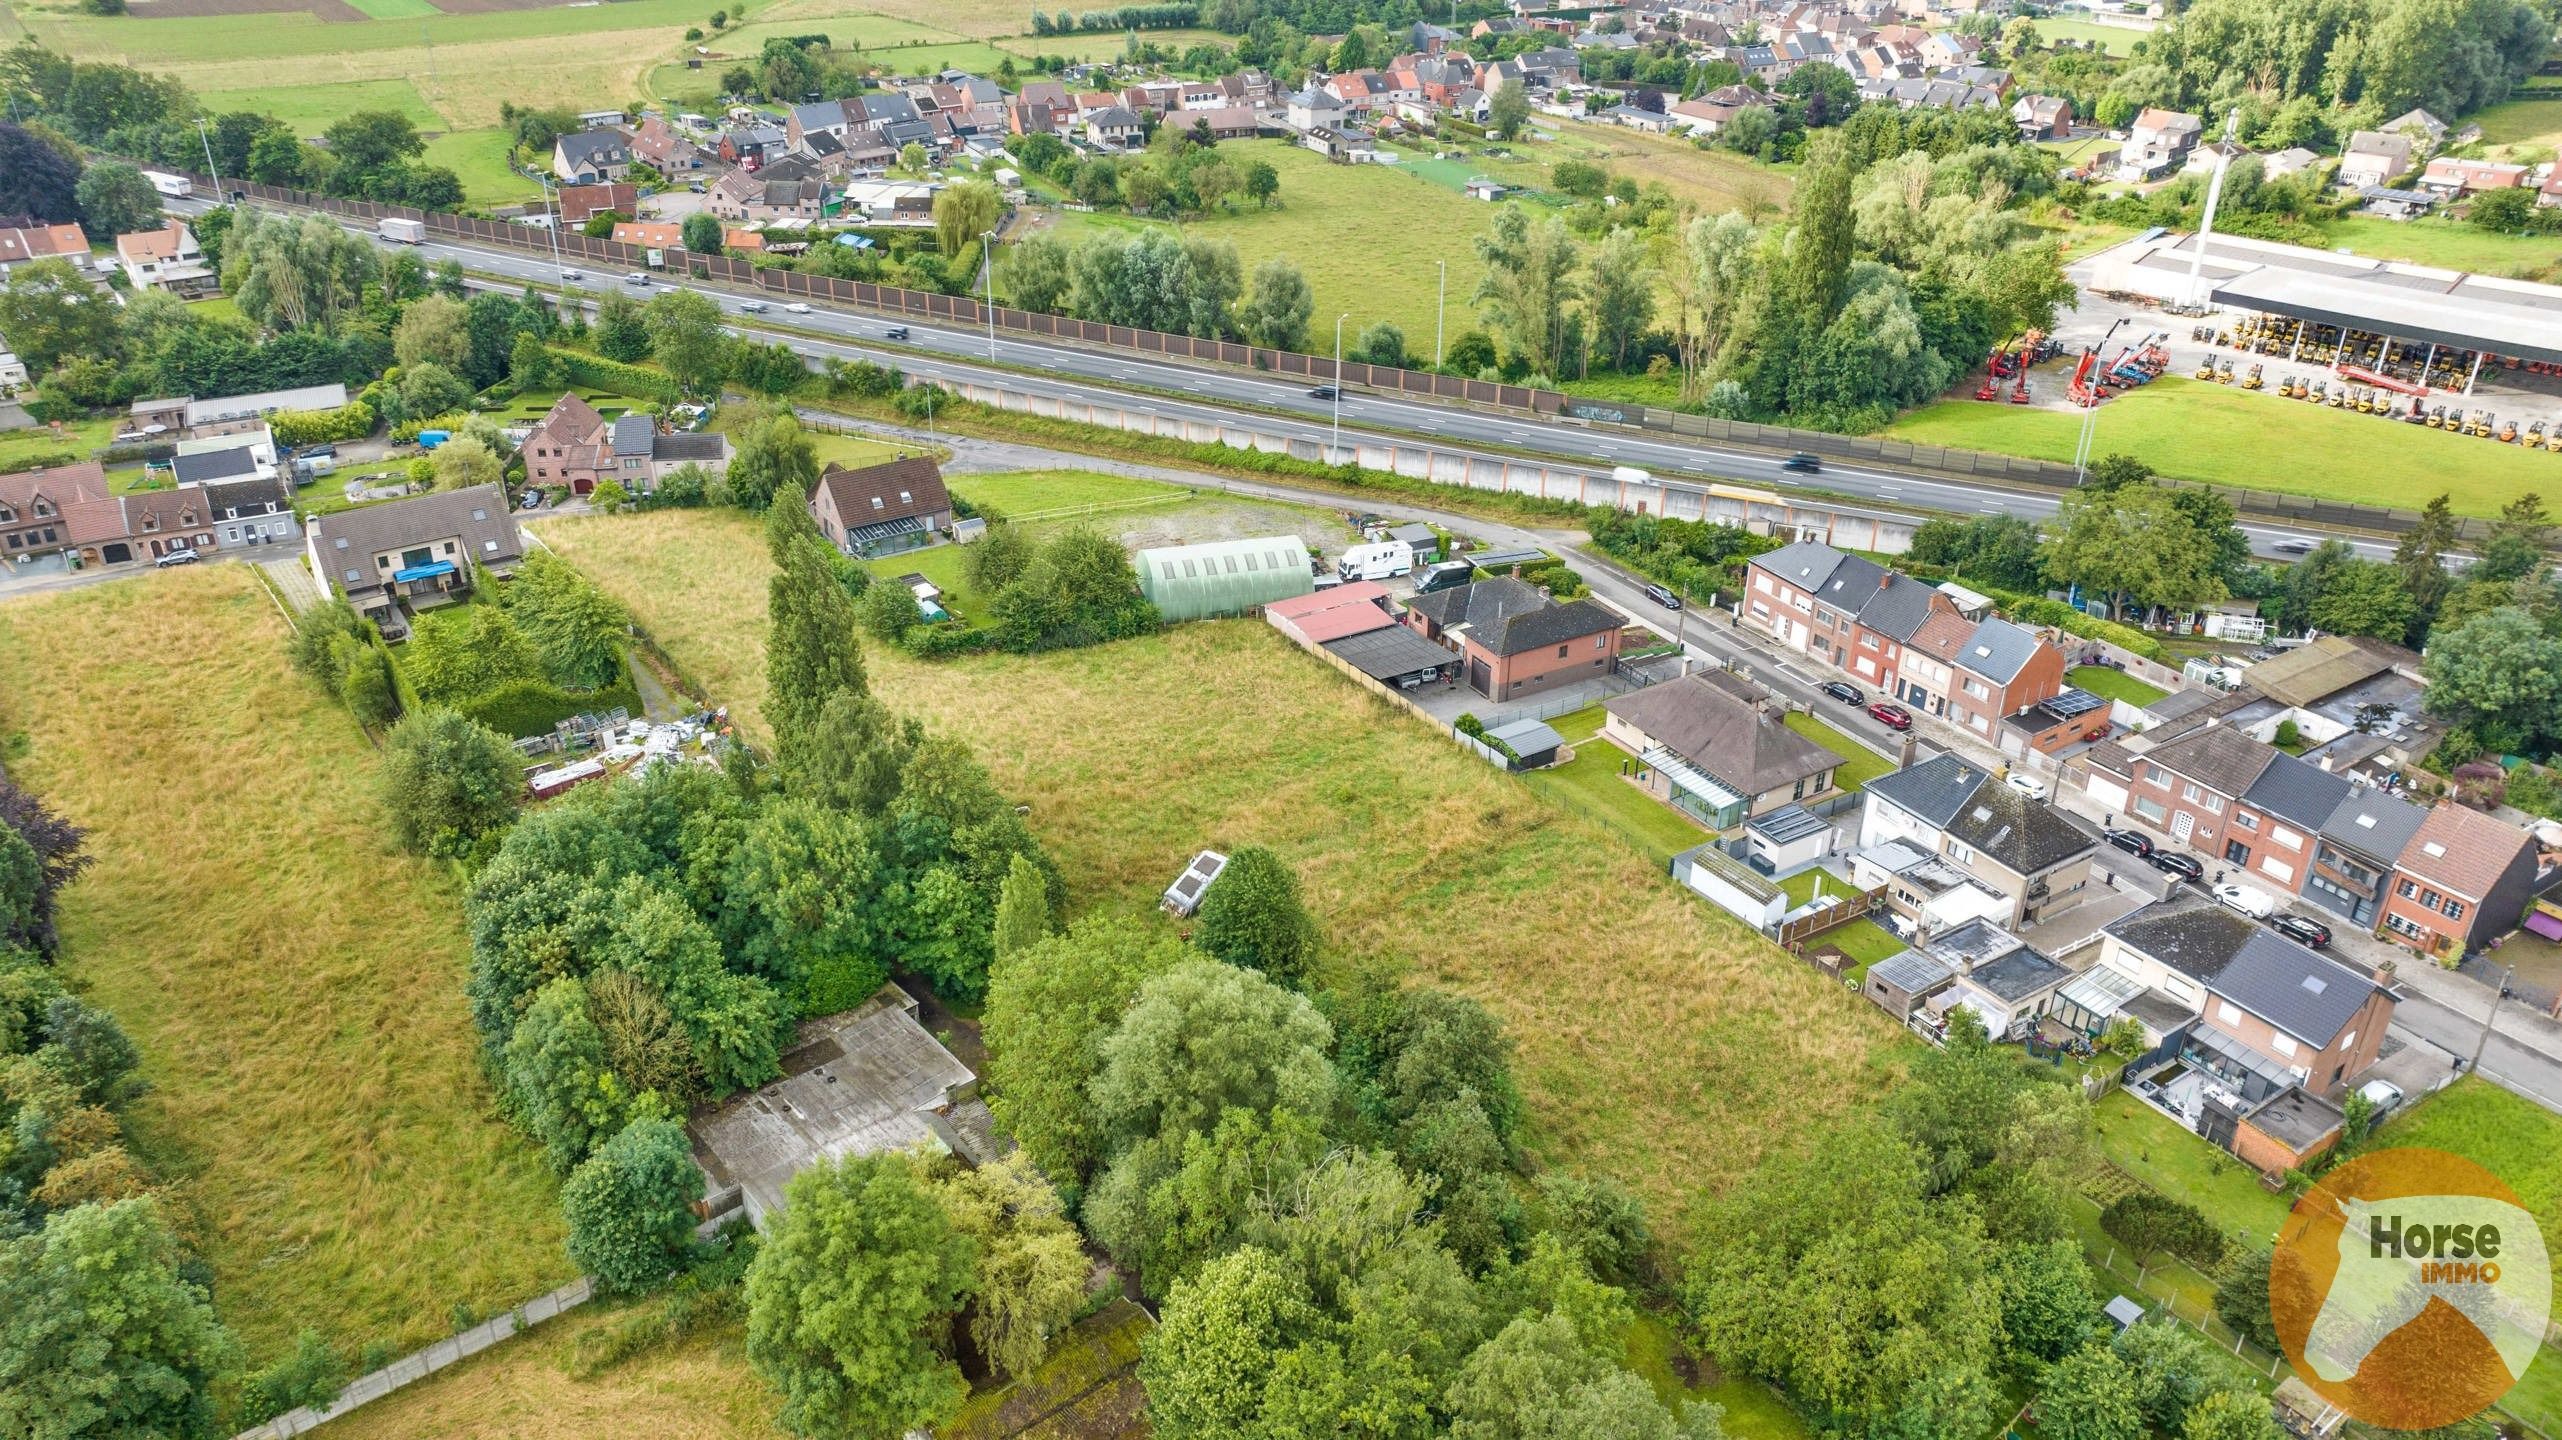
point(2224, 376)
point(2206, 368)
point(2252, 380)
point(2340, 396)
point(2437, 417)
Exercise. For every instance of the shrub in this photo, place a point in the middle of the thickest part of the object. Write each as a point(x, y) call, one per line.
point(365, 683)
point(936, 642)
point(311, 1375)
point(352, 421)
point(533, 707)
point(2145, 1222)
point(581, 370)
point(447, 782)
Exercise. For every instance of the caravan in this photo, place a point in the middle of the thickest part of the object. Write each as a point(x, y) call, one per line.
point(1386, 560)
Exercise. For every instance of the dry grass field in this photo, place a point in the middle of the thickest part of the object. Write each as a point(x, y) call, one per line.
point(294, 985)
point(698, 1390)
point(1658, 1040)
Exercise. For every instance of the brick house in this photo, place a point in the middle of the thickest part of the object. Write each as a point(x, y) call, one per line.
point(2240, 803)
point(2355, 852)
point(167, 259)
point(1515, 640)
point(34, 506)
point(2025, 850)
point(414, 553)
point(1715, 746)
point(2042, 117)
point(786, 189)
point(1876, 625)
point(582, 203)
point(21, 245)
point(657, 143)
point(2464, 878)
point(881, 509)
point(2374, 157)
point(572, 445)
point(2001, 670)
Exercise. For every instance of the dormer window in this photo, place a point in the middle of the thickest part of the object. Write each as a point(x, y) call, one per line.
point(150, 521)
point(44, 508)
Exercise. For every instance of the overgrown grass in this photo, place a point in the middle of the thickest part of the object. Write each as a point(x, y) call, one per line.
point(1859, 764)
point(1034, 495)
point(2109, 683)
point(1753, 1410)
point(19, 448)
point(1658, 1041)
point(294, 984)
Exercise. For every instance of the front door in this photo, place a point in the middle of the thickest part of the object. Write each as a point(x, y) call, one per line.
point(2181, 824)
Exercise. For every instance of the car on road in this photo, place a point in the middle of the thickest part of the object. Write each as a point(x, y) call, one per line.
point(2132, 842)
point(636, 278)
point(1844, 692)
point(1322, 392)
point(2173, 862)
point(895, 332)
point(2384, 1095)
point(753, 307)
point(1892, 716)
point(1802, 463)
point(177, 557)
point(2028, 785)
point(797, 308)
point(2303, 930)
point(2293, 545)
point(1663, 597)
point(573, 274)
point(2254, 903)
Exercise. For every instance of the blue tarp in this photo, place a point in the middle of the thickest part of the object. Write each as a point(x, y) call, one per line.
point(427, 571)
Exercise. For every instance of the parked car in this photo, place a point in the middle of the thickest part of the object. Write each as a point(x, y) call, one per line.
point(1844, 692)
point(1322, 392)
point(1893, 717)
point(2303, 930)
point(2384, 1095)
point(2184, 866)
point(530, 500)
point(1802, 463)
point(1663, 597)
point(177, 557)
point(2254, 903)
point(2028, 785)
point(2132, 842)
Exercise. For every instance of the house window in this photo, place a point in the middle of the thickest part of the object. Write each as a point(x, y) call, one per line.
point(1600, 642)
point(2284, 1045)
point(1960, 852)
point(2277, 870)
point(1978, 689)
point(489, 547)
point(2429, 899)
point(2245, 820)
point(1561, 652)
point(2228, 1012)
point(2212, 804)
point(2408, 929)
point(480, 514)
point(2348, 1042)
point(2452, 909)
point(2406, 889)
point(353, 576)
point(2286, 837)
point(2189, 792)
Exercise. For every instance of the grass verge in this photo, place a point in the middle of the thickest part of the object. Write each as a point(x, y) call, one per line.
point(1859, 764)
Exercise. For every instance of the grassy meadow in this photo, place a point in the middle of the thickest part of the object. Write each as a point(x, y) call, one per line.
point(293, 983)
point(1657, 1039)
point(2194, 430)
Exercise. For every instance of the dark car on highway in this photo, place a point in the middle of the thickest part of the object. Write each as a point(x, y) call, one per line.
point(1322, 392)
point(1663, 597)
point(2132, 842)
point(1893, 717)
point(2184, 866)
point(1802, 463)
point(2301, 930)
point(1846, 694)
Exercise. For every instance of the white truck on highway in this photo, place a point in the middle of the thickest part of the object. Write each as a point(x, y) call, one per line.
point(1385, 560)
point(177, 187)
point(401, 232)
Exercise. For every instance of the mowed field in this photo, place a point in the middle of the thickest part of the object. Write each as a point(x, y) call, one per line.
point(2198, 431)
point(294, 985)
point(1657, 1040)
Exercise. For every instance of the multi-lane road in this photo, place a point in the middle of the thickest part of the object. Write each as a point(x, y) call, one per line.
point(1214, 395)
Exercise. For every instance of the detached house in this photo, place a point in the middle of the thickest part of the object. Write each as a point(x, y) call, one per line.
point(591, 157)
point(881, 509)
point(658, 144)
point(1715, 746)
point(786, 189)
point(414, 553)
point(582, 203)
point(2159, 141)
point(1516, 641)
point(2375, 157)
point(572, 445)
point(22, 244)
point(167, 259)
point(2026, 851)
point(2042, 117)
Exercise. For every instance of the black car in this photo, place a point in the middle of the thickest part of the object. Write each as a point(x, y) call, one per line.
point(2129, 841)
point(1846, 694)
point(2184, 866)
point(1802, 463)
point(2300, 930)
point(895, 332)
point(1322, 392)
point(1663, 597)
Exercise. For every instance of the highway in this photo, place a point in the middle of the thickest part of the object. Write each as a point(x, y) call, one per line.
point(1211, 394)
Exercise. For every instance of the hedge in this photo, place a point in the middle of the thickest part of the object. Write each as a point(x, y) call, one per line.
point(2146, 1221)
point(582, 370)
point(533, 707)
point(353, 421)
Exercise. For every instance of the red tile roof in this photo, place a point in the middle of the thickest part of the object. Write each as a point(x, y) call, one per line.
point(43, 242)
point(2462, 850)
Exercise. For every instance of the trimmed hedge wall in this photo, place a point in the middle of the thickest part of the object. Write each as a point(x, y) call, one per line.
point(352, 421)
point(533, 707)
point(595, 372)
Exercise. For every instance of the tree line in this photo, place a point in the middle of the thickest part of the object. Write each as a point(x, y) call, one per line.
point(2365, 61)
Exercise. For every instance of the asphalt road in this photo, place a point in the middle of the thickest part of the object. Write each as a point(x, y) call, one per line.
point(1213, 394)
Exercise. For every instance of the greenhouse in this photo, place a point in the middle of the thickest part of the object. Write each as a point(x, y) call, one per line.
point(1224, 577)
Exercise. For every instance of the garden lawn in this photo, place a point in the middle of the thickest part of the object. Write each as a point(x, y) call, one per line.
point(1859, 764)
point(478, 158)
point(2534, 126)
point(945, 566)
point(978, 19)
point(2111, 39)
point(1591, 785)
point(2196, 431)
point(2148, 1145)
point(19, 449)
point(1658, 1040)
point(294, 984)
point(2110, 683)
point(1753, 1410)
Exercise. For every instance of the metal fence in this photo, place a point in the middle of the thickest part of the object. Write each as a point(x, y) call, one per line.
point(967, 310)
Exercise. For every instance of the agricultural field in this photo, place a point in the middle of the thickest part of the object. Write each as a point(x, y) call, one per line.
point(2448, 245)
point(2111, 39)
point(294, 983)
point(2526, 131)
point(1673, 1055)
point(2196, 431)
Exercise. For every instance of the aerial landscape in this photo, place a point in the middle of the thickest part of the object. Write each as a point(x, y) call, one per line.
point(1663, 719)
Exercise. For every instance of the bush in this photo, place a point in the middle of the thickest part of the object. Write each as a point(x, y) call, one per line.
point(353, 421)
point(533, 707)
point(937, 642)
point(447, 782)
point(367, 686)
point(581, 370)
point(2146, 1222)
point(311, 1375)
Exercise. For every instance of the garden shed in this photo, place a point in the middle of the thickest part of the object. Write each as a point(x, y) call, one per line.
point(1224, 577)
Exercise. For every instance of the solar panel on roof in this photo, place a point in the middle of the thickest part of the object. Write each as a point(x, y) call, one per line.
point(2074, 702)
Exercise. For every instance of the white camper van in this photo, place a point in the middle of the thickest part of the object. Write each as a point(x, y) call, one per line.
point(1385, 560)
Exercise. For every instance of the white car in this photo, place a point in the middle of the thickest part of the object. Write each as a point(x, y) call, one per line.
point(797, 308)
point(2384, 1095)
point(573, 274)
point(2243, 898)
point(2028, 785)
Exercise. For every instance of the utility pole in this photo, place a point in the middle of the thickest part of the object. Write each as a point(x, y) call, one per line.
point(2206, 219)
point(1337, 387)
point(987, 262)
point(551, 201)
point(211, 168)
point(1440, 309)
point(2491, 1015)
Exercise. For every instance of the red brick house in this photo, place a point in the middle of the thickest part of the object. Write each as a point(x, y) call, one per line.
point(2464, 878)
point(881, 509)
point(33, 506)
point(1515, 640)
point(572, 445)
point(582, 203)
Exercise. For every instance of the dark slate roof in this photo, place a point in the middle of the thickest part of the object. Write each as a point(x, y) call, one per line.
point(2018, 975)
point(233, 499)
point(2373, 823)
point(2298, 793)
point(2218, 757)
point(477, 514)
point(1898, 608)
point(1806, 564)
point(211, 465)
point(708, 448)
point(1507, 616)
point(1713, 726)
point(2023, 834)
point(1853, 582)
point(2306, 994)
point(1389, 652)
point(587, 145)
point(1996, 650)
point(632, 434)
point(1932, 791)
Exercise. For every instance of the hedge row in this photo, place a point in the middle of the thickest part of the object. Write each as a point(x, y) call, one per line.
point(533, 707)
point(353, 421)
point(2038, 610)
point(594, 372)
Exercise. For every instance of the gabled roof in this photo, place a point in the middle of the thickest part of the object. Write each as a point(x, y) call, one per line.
point(1942, 635)
point(209, 466)
point(2374, 823)
point(1718, 729)
point(1508, 616)
point(1997, 650)
point(1899, 607)
point(1854, 579)
point(1806, 564)
point(2464, 851)
point(1932, 791)
point(2218, 757)
point(909, 485)
point(60, 486)
point(2301, 794)
point(2016, 832)
point(590, 145)
point(251, 497)
point(2306, 994)
point(42, 242)
point(479, 514)
point(633, 433)
point(571, 420)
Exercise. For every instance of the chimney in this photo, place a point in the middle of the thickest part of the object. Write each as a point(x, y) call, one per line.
point(1904, 752)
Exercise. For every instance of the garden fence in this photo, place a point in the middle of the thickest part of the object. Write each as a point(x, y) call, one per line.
point(966, 310)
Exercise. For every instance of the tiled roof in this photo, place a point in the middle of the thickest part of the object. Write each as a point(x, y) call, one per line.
point(1806, 564)
point(2218, 757)
point(1713, 727)
point(1943, 635)
point(1997, 650)
point(2300, 794)
point(42, 242)
point(2464, 851)
point(1899, 608)
point(60, 486)
point(2021, 834)
point(478, 514)
point(911, 485)
point(2308, 995)
point(1508, 616)
point(1932, 791)
point(2374, 823)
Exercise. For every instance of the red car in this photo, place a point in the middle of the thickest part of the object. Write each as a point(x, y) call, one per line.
point(1893, 717)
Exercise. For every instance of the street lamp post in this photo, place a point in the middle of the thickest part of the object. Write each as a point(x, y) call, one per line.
point(551, 200)
point(987, 262)
point(1440, 308)
point(2491, 1016)
point(1336, 444)
point(211, 168)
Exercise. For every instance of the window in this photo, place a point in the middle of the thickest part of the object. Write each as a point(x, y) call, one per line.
point(2284, 1045)
point(2410, 929)
point(2236, 853)
point(2245, 820)
point(2406, 889)
point(2288, 838)
point(353, 576)
point(1960, 852)
point(2348, 1042)
point(1760, 582)
point(2452, 909)
point(2189, 792)
point(479, 514)
point(1561, 652)
point(2277, 870)
point(2429, 899)
point(2228, 1012)
point(1978, 689)
point(2212, 804)
point(489, 546)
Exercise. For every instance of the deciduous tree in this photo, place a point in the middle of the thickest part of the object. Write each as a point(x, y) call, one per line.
point(685, 338)
point(1278, 306)
point(448, 781)
point(101, 1331)
point(1050, 1008)
point(431, 330)
point(629, 1206)
point(1253, 917)
point(1203, 1038)
point(116, 200)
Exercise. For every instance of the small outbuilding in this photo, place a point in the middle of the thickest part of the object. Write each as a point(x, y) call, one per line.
point(1905, 979)
point(1533, 744)
point(1224, 577)
point(1184, 895)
